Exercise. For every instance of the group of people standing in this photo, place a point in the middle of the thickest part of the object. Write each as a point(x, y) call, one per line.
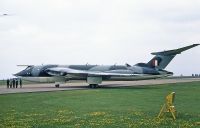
point(13, 83)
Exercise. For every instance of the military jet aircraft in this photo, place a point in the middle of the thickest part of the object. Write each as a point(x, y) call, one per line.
point(95, 74)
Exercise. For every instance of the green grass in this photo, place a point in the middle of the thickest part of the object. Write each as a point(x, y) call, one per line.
point(116, 107)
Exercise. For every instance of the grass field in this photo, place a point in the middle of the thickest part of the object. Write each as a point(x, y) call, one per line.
point(117, 107)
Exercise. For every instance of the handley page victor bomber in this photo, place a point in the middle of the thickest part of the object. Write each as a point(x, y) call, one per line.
point(95, 74)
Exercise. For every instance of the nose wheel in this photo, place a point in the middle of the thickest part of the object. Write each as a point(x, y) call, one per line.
point(57, 85)
point(93, 86)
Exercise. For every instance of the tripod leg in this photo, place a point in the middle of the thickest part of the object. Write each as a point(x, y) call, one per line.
point(161, 111)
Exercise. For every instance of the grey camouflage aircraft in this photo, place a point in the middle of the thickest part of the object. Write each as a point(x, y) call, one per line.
point(95, 74)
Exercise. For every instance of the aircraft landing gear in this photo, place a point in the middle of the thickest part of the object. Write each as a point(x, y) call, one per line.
point(94, 81)
point(93, 85)
point(57, 85)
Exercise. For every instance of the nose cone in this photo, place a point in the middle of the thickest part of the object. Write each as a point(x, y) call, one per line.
point(20, 74)
point(23, 73)
point(16, 74)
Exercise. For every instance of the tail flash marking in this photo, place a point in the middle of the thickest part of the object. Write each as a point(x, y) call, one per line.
point(155, 63)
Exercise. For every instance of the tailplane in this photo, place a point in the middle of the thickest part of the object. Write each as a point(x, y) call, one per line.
point(162, 59)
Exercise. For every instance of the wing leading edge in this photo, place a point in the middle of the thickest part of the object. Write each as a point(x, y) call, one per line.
point(58, 71)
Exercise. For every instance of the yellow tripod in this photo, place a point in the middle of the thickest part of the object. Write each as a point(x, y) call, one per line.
point(168, 106)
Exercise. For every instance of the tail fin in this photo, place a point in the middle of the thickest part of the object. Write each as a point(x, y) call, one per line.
point(162, 59)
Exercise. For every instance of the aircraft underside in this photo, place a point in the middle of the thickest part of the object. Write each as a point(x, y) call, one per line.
point(92, 81)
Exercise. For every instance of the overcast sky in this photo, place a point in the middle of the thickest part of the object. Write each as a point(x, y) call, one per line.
point(97, 32)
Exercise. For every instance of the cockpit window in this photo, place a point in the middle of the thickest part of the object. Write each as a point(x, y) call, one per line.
point(28, 68)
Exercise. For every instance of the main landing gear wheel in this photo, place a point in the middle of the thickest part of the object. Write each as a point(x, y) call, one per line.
point(57, 85)
point(93, 85)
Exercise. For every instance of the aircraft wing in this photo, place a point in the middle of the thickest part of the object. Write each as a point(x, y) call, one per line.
point(59, 71)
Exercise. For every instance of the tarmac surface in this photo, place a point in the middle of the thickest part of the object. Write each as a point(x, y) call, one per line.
point(83, 85)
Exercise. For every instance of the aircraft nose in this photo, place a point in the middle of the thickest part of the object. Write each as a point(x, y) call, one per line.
point(21, 74)
point(18, 74)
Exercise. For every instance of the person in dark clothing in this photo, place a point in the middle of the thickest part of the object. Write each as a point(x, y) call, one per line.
point(16, 83)
point(8, 83)
point(20, 82)
point(13, 83)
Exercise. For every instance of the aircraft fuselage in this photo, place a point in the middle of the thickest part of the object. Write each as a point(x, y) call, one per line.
point(39, 73)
